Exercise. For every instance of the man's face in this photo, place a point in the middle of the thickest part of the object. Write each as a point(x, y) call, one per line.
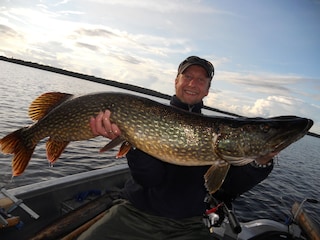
point(192, 85)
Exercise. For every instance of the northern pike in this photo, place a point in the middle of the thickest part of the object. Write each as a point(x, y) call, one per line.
point(165, 132)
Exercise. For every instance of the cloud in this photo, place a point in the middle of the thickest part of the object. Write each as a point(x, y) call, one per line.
point(6, 31)
point(272, 105)
point(127, 58)
point(165, 6)
point(95, 32)
point(88, 46)
point(265, 107)
point(265, 82)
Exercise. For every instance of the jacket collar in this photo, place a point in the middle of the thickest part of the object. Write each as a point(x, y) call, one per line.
point(196, 108)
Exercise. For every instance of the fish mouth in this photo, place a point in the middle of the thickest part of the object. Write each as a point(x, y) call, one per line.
point(266, 157)
point(299, 128)
point(294, 128)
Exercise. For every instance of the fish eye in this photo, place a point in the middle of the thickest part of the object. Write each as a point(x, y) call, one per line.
point(265, 128)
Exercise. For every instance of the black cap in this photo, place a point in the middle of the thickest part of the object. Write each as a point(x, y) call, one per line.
point(194, 60)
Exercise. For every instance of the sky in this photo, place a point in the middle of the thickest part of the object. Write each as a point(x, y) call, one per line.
point(266, 53)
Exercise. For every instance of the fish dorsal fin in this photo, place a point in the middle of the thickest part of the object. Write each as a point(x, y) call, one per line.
point(215, 176)
point(43, 104)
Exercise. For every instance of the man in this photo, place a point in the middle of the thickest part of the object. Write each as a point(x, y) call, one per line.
point(166, 201)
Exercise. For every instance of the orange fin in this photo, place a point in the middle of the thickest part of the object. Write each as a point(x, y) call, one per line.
point(124, 149)
point(54, 149)
point(112, 144)
point(43, 104)
point(215, 176)
point(13, 144)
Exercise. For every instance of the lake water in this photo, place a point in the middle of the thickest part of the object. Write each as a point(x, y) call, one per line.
point(295, 175)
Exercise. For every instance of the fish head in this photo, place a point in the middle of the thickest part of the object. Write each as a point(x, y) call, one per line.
point(246, 139)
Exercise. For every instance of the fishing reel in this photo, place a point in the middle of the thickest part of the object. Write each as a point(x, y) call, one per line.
point(216, 213)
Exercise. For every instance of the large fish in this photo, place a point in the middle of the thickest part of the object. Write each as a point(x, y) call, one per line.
point(167, 133)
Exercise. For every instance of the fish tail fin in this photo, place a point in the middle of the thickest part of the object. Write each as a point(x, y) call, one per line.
point(215, 176)
point(13, 144)
point(54, 149)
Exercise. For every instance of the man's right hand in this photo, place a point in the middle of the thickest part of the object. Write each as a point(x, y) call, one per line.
point(101, 126)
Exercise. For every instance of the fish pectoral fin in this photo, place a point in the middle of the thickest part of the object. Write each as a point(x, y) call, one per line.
point(215, 176)
point(124, 149)
point(43, 104)
point(112, 144)
point(54, 149)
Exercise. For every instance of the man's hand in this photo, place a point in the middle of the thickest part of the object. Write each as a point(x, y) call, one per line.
point(101, 126)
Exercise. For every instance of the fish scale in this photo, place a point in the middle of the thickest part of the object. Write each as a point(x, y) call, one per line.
point(167, 133)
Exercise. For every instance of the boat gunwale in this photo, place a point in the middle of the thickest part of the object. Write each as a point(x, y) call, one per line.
point(34, 189)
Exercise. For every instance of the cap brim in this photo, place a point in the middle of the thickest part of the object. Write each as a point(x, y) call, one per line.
point(199, 64)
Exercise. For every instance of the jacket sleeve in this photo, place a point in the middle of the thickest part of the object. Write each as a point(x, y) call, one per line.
point(145, 169)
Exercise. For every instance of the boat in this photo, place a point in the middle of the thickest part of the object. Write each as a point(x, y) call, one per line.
point(65, 207)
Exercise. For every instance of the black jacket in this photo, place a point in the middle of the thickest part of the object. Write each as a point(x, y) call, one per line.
point(177, 192)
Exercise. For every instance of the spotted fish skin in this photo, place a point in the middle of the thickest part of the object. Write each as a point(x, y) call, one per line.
point(167, 133)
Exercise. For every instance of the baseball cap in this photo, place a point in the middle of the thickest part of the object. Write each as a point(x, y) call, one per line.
point(194, 60)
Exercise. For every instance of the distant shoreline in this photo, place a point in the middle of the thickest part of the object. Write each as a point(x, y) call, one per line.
point(111, 83)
